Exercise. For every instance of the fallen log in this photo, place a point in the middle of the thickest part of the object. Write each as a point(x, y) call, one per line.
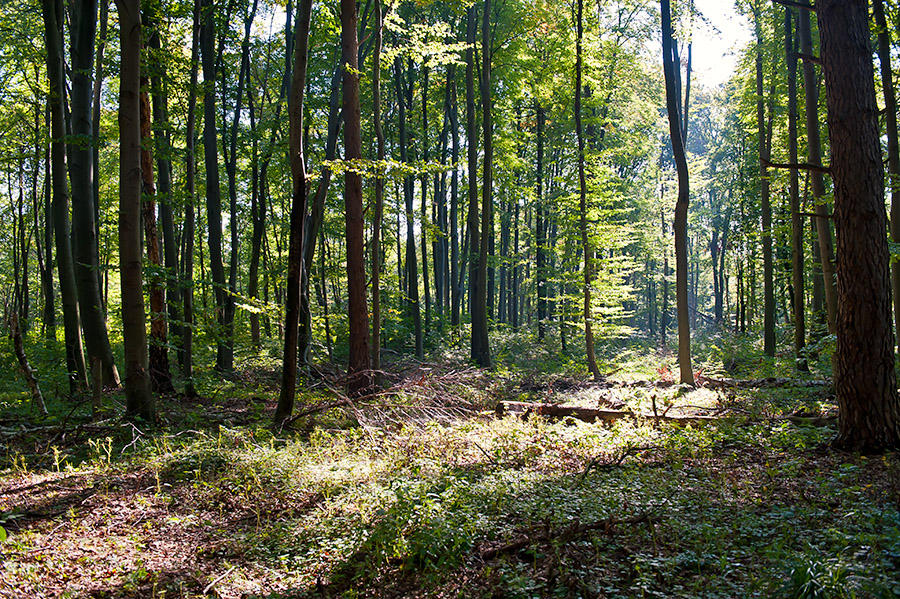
point(557, 411)
point(545, 534)
point(726, 383)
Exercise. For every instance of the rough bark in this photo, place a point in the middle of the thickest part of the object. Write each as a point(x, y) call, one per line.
point(864, 378)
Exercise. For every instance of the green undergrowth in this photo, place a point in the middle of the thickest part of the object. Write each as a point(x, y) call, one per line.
point(753, 505)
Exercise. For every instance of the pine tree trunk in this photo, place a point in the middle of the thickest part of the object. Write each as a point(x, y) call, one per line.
point(864, 378)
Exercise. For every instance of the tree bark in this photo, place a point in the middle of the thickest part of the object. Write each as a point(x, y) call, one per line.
point(139, 402)
point(481, 351)
point(75, 366)
point(358, 366)
point(298, 212)
point(670, 66)
point(85, 254)
point(379, 193)
point(864, 378)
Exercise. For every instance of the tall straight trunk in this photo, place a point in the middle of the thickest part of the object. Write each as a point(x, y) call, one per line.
point(766, 206)
point(411, 268)
point(85, 254)
point(75, 366)
point(44, 235)
point(224, 346)
point(540, 229)
point(893, 146)
point(256, 222)
point(379, 194)
point(814, 156)
point(162, 148)
point(358, 365)
point(160, 378)
point(95, 124)
point(187, 255)
point(473, 238)
point(423, 224)
point(298, 212)
point(481, 351)
point(864, 378)
point(582, 200)
point(455, 267)
point(670, 69)
point(139, 402)
point(797, 258)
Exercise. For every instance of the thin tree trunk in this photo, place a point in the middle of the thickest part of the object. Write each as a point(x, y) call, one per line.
point(670, 69)
point(379, 194)
point(586, 249)
point(298, 212)
point(139, 402)
point(75, 366)
point(160, 378)
point(481, 351)
point(455, 266)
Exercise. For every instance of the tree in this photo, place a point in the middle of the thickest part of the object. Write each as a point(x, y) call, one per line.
point(139, 401)
point(379, 193)
point(84, 229)
point(358, 367)
point(676, 132)
point(864, 378)
point(53, 15)
point(298, 212)
point(481, 350)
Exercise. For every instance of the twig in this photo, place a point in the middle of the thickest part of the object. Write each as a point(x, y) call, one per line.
point(218, 579)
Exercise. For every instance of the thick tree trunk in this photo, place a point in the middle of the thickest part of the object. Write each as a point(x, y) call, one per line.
point(814, 156)
point(481, 351)
point(586, 249)
point(298, 212)
point(358, 367)
point(224, 346)
point(473, 238)
point(864, 378)
point(85, 254)
point(539, 226)
point(670, 66)
point(139, 402)
point(75, 366)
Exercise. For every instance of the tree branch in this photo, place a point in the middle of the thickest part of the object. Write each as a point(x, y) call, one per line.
point(803, 166)
point(803, 5)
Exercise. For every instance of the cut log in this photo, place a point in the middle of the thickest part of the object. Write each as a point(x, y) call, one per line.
point(556, 411)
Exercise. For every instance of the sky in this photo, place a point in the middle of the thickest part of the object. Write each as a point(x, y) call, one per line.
point(714, 55)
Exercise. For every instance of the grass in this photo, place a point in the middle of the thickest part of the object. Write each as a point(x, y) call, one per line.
point(382, 502)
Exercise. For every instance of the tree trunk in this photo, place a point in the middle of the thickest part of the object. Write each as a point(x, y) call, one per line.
point(85, 254)
point(582, 201)
point(160, 378)
point(379, 194)
point(893, 146)
point(187, 256)
point(540, 241)
point(473, 238)
point(358, 366)
point(864, 378)
point(455, 266)
point(139, 402)
point(53, 15)
point(481, 351)
point(814, 156)
point(298, 212)
point(224, 348)
point(670, 69)
point(797, 258)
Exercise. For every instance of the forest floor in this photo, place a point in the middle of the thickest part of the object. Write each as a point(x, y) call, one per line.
point(424, 491)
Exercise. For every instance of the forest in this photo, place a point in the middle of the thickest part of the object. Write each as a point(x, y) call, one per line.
point(449, 298)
